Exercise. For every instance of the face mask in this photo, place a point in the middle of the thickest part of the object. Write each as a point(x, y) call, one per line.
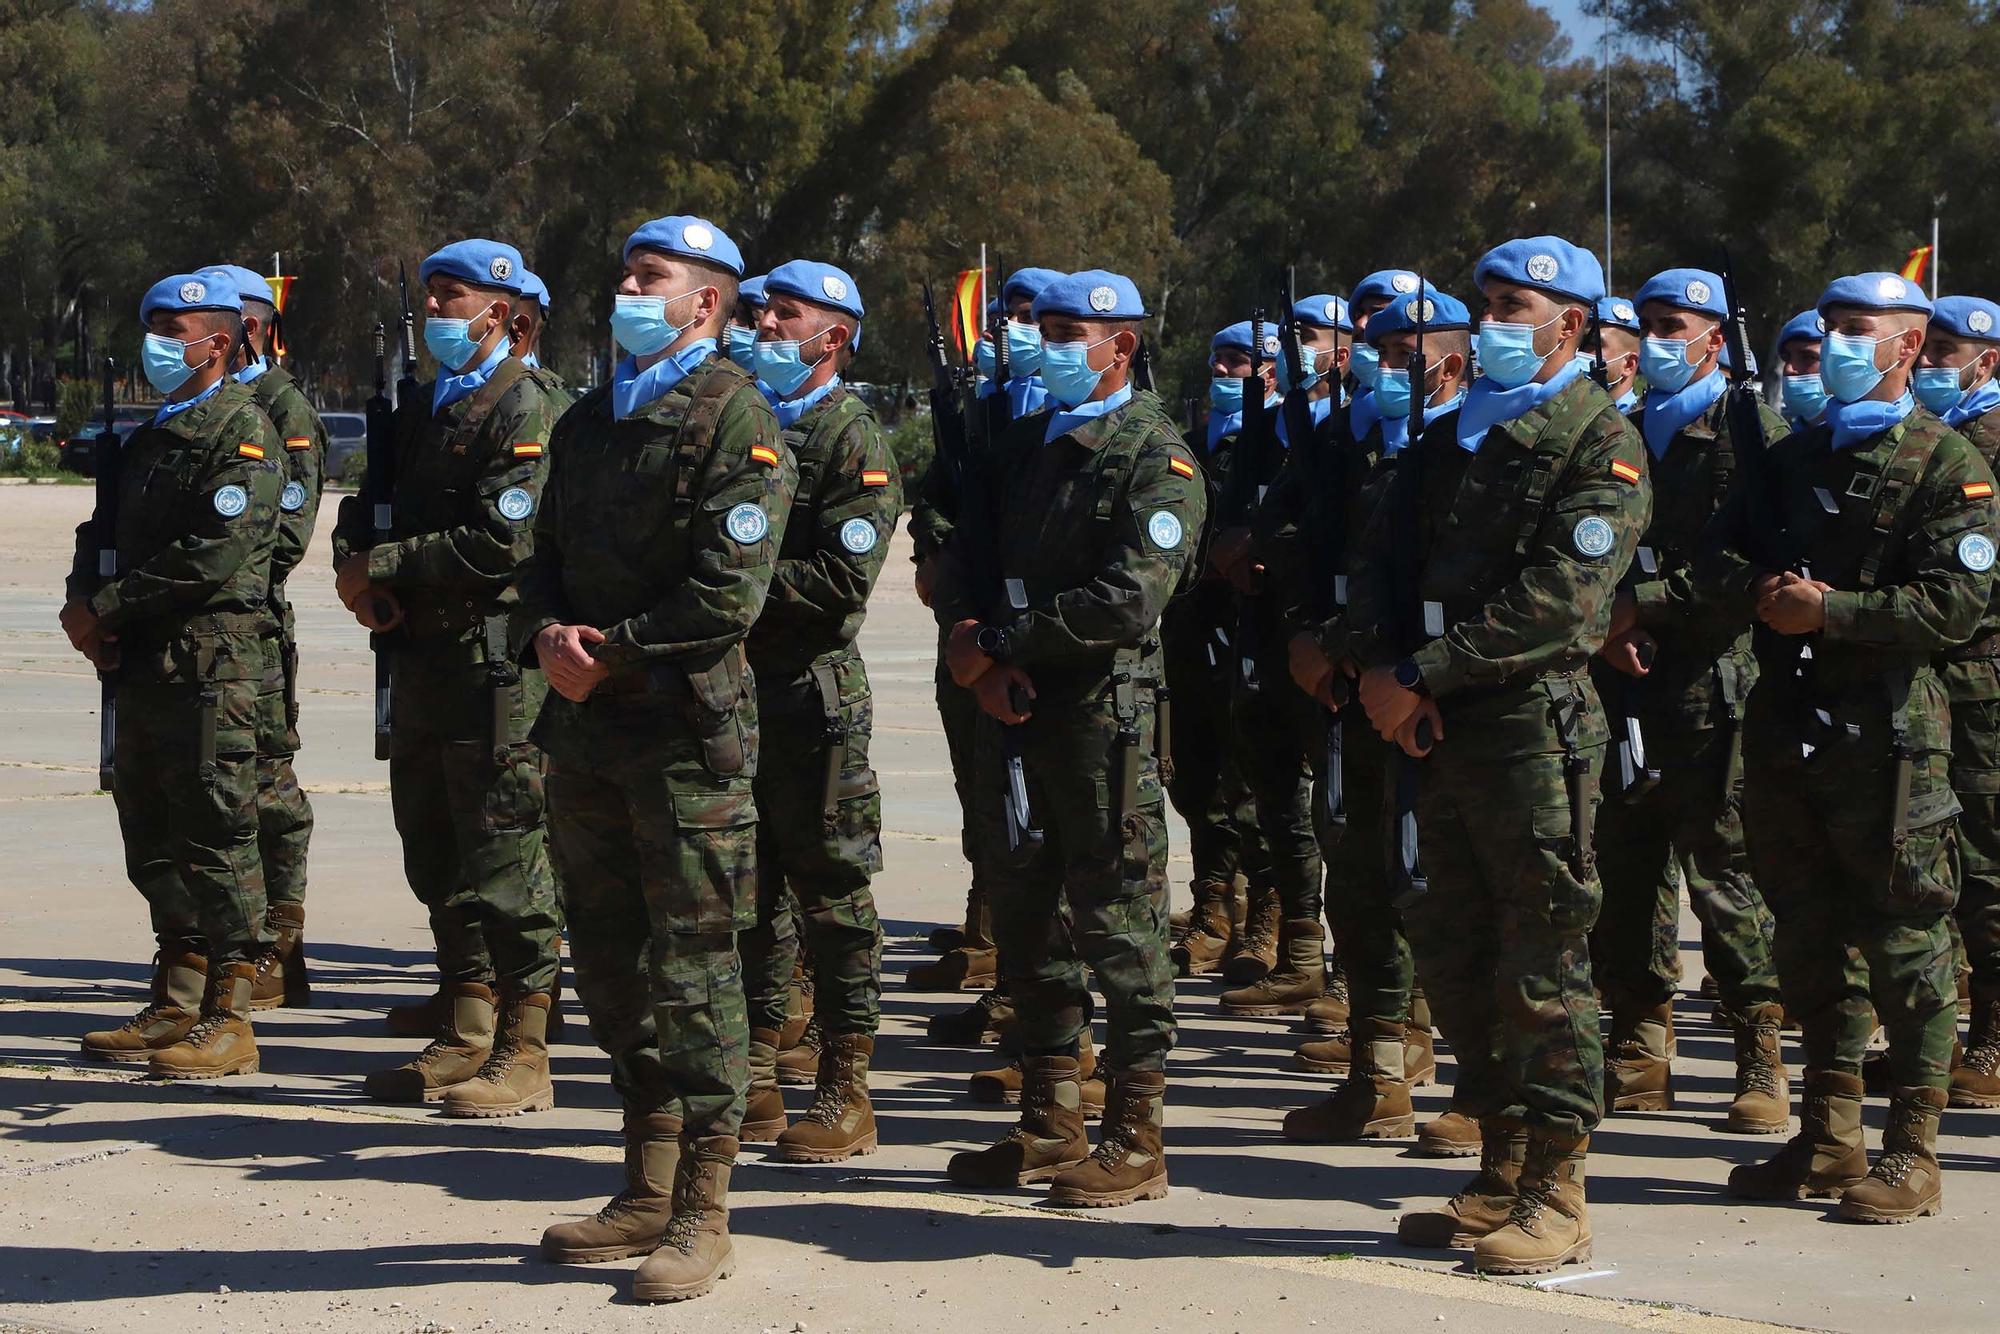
point(165, 362)
point(739, 341)
point(1225, 394)
point(1392, 392)
point(1805, 396)
point(1937, 386)
point(1847, 366)
point(1507, 351)
point(1066, 371)
point(1365, 364)
point(1588, 362)
point(1024, 348)
point(449, 341)
point(982, 357)
point(639, 323)
point(1309, 358)
point(779, 367)
point(1664, 362)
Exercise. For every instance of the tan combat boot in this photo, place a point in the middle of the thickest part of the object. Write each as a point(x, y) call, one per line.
point(1130, 1163)
point(281, 968)
point(1296, 983)
point(946, 938)
point(1453, 1135)
point(1550, 1224)
point(1256, 952)
point(1825, 1158)
point(179, 982)
point(1483, 1204)
point(515, 1078)
point(1373, 1102)
point(764, 1106)
point(1975, 1077)
point(633, 1221)
point(696, 1250)
point(1763, 1103)
point(420, 1019)
point(841, 1121)
point(983, 1021)
point(970, 967)
point(1906, 1182)
point(798, 1012)
point(460, 1046)
point(799, 1063)
point(220, 1043)
point(1047, 1140)
point(1003, 1084)
point(1332, 1056)
point(1639, 1073)
point(1200, 947)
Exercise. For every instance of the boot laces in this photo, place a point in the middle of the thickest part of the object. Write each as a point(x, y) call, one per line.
point(206, 1026)
point(505, 1048)
point(690, 1209)
point(1985, 1057)
point(154, 1010)
point(1757, 1073)
point(1114, 1145)
point(830, 1098)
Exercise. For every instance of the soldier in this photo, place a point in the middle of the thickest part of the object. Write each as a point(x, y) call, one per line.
point(655, 545)
point(1526, 507)
point(1372, 293)
point(1094, 525)
point(465, 782)
point(1026, 394)
point(184, 623)
point(284, 815)
point(1848, 802)
point(819, 810)
point(1798, 349)
point(1614, 344)
point(524, 333)
point(1386, 1050)
point(740, 337)
point(1686, 827)
point(1955, 378)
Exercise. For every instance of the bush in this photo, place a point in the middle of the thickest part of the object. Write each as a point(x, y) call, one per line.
point(23, 457)
point(77, 402)
point(910, 441)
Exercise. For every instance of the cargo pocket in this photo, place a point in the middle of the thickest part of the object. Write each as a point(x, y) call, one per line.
point(1572, 903)
point(1923, 872)
point(514, 799)
point(1136, 860)
point(715, 861)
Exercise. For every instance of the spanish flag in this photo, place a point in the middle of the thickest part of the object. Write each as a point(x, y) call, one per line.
point(1914, 267)
point(968, 308)
point(281, 287)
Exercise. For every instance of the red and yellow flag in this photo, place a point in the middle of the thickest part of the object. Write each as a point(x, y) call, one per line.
point(968, 309)
point(1914, 267)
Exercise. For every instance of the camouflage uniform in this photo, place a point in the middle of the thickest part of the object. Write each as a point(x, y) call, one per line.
point(1972, 680)
point(1098, 526)
point(284, 816)
point(465, 781)
point(662, 529)
point(197, 526)
point(1520, 546)
point(1862, 893)
point(814, 873)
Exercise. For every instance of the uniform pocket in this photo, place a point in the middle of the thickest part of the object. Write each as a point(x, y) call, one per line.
point(1572, 903)
point(515, 800)
point(1923, 872)
point(715, 861)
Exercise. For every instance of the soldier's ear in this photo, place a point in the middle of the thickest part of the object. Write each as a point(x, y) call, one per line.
point(1987, 363)
point(1125, 343)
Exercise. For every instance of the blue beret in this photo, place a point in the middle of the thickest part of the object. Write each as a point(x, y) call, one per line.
point(249, 284)
point(210, 289)
point(1807, 324)
point(1400, 316)
point(752, 290)
point(1546, 263)
point(688, 237)
point(478, 261)
point(821, 284)
point(993, 307)
point(1092, 294)
point(1697, 290)
point(1028, 283)
point(1325, 310)
point(1237, 337)
point(1618, 312)
point(1968, 317)
point(1875, 291)
point(1383, 285)
point(534, 289)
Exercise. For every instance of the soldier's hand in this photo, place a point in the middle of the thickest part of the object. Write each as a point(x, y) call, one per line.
point(79, 622)
point(994, 688)
point(1630, 652)
point(926, 579)
point(103, 652)
point(562, 650)
point(378, 609)
point(1762, 585)
point(1309, 664)
point(1387, 704)
point(1406, 735)
point(962, 657)
point(350, 580)
point(1795, 606)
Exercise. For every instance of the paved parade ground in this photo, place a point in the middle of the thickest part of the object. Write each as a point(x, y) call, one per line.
point(284, 1200)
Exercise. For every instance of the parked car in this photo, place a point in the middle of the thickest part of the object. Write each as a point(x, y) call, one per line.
point(79, 452)
point(346, 436)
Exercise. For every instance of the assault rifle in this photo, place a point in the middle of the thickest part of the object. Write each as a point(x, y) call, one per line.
point(107, 455)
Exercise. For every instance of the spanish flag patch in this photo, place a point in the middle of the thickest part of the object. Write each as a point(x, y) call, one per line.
point(1977, 490)
point(1624, 471)
point(765, 455)
point(298, 442)
point(1180, 466)
point(874, 477)
point(527, 449)
point(250, 449)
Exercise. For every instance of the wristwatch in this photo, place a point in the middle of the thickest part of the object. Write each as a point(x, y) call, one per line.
point(992, 641)
point(1410, 677)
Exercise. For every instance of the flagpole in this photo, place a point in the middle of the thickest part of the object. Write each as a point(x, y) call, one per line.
point(1936, 254)
point(1607, 149)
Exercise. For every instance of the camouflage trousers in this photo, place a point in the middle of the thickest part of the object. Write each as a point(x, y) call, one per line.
point(657, 853)
point(1863, 929)
point(1689, 828)
point(1975, 777)
point(1502, 937)
point(1113, 876)
point(469, 808)
point(186, 792)
point(1373, 948)
point(284, 816)
point(1271, 733)
point(959, 714)
point(1204, 784)
point(814, 873)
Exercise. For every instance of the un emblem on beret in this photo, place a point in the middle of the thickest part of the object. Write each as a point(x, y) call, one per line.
point(746, 523)
point(1270, 345)
point(515, 504)
point(1405, 283)
point(1975, 552)
point(1332, 312)
point(1422, 312)
point(1697, 292)
point(1622, 310)
point(231, 501)
point(1979, 322)
point(293, 498)
point(192, 291)
point(1891, 289)
point(697, 237)
point(1543, 268)
point(501, 268)
point(833, 287)
point(1592, 536)
point(1103, 299)
point(1819, 323)
point(858, 536)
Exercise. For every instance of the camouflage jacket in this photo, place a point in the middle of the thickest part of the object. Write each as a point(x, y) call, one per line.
point(304, 438)
point(468, 479)
point(1305, 547)
point(848, 499)
point(1972, 671)
point(555, 389)
point(197, 526)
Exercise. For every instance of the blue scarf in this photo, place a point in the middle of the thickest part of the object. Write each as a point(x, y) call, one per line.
point(790, 410)
point(450, 388)
point(1487, 405)
point(1362, 414)
point(1220, 424)
point(1064, 420)
point(252, 371)
point(1977, 403)
point(1396, 430)
point(1321, 409)
point(1027, 395)
point(633, 389)
point(175, 409)
point(1667, 414)
point(1854, 422)
point(1628, 400)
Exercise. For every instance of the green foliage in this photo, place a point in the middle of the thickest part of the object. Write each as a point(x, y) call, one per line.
point(76, 402)
point(909, 440)
point(24, 457)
